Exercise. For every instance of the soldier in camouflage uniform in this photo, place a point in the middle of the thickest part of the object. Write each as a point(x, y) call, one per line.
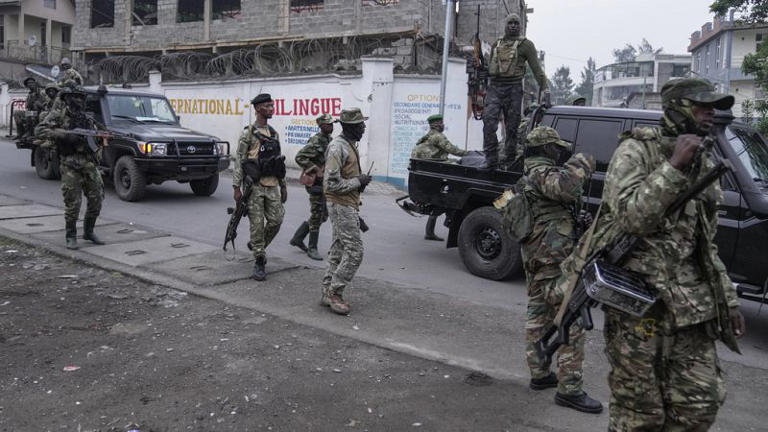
point(311, 158)
point(78, 165)
point(69, 76)
point(506, 69)
point(269, 192)
point(552, 192)
point(36, 101)
point(665, 374)
point(343, 184)
point(435, 146)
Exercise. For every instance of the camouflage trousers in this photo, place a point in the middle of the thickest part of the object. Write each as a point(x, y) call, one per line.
point(79, 176)
point(502, 101)
point(346, 252)
point(265, 213)
point(318, 210)
point(540, 315)
point(661, 382)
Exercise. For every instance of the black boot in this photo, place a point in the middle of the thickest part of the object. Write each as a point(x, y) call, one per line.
point(580, 402)
point(312, 251)
point(259, 273)
point(71, 235)
point(546, 382)
point(298, 236)
point(429, 232)
point(491, 162)
point(88, 233)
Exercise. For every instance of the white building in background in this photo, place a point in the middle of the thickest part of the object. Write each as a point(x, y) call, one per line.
point(718, 50)
point(638, 83)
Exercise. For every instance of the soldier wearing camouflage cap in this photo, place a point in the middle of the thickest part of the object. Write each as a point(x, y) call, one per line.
point(552, 191)
point(435, 146)
point(36, 102)
point(68, 77)
point(697, 302)
point(507, 66)
point(311, 159)
point(343, 184)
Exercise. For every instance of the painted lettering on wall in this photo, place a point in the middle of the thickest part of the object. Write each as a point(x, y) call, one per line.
point(298, 131)
point(308, 107)
point(209, 106)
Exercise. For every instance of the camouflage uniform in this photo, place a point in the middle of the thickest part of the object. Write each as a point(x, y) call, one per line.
point(70, 78)
point(313, 154)
point(342, 190)
point(265, 210)
point(36, 101)
point(77, 164)
point(435, 146)
point(552, 192)
point(507, 67)
point(665, 374)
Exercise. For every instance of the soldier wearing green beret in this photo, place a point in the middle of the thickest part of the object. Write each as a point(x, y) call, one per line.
point(435, 146)
point(551, 192)
point(665, 374)
point(311, 159)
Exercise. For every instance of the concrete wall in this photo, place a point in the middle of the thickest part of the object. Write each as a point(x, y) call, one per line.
point(64, 12)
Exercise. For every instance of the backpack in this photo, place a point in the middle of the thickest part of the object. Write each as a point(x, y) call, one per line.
point(517, 217)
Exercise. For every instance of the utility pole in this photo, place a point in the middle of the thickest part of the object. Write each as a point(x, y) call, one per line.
point(450, 6)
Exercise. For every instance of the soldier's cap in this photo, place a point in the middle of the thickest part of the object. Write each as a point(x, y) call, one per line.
point(324, 119)
point(544, 135)
point(261, 98)
point(435, 118)
point(66, 60)
point(696, 90)
point(28, 79)
point(51, 86)
point(352, 116)
point(513, 17)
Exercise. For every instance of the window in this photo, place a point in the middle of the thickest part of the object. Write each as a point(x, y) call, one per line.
point(145, 12)
point(2, 31)
point(758, 40)
point(697, 62)
point(43, 41)
point(225, 9)
point(50, 4)
point(599, 138)
point(706, 60)
point(93, 105)
point(566, 128)
point(141, 108)
point(66, 35)
point(190, 10)
point(679, 70)
point(306, 5)
point(102, 13)
point(717, 53)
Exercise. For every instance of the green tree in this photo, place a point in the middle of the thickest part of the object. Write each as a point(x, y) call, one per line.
point(587, 84)
point(624, 55)
point(562, 85)
point(750, 11)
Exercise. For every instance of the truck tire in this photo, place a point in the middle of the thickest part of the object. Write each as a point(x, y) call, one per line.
point(130, 182)
point(206, 186)
point(485, 248)
point(46, 164)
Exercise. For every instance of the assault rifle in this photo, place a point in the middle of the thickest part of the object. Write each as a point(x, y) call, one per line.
point(477, 70)
point(91, 135)
point(238, 212)
point(602, 280)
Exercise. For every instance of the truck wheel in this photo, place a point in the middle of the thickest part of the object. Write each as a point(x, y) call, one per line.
point(206, 186)
point(485, 248)
point(130, 182)
point(46, 164)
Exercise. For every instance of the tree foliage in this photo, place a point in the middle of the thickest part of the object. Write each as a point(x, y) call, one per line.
point(629, 53)
point(587, 84)
point(750, 11)
point(562, 85)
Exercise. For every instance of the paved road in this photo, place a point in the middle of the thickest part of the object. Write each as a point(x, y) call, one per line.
point(395, 249)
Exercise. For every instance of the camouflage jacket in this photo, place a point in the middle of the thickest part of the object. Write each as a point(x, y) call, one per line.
point(36, 101)
point(551, 192)
point(248, 146)
point(70, 78)
point(62, 119)
point(677, 254)
point(435, 146)
point(342, 168)
point(313, 153)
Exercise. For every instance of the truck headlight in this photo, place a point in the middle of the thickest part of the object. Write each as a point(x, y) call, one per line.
point(221, 148)
point(153, 149)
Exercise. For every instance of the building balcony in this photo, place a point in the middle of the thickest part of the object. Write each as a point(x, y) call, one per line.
point(23, 52)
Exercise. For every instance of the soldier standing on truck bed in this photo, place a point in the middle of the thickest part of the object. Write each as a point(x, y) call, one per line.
point(311, 159)
point(69, 76)
point(506, 69)
point(435, 146)
point(78, 164)
point(259, 145)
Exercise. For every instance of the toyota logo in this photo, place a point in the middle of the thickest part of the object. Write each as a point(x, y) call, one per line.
point(191, 149)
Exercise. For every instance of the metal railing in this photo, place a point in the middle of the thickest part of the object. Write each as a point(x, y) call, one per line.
point(21, 50)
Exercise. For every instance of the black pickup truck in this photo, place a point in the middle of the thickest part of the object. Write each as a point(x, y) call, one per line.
point(465, 194)
point(152, 148)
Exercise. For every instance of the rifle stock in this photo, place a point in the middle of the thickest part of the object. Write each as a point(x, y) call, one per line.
point(238, 212)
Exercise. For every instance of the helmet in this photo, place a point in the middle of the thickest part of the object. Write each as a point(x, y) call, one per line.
point(696, 90)
point(513, 17)
point(544, 135)
point(66, 61)
point(51, 86)
point(28, 79)
point(71, 91)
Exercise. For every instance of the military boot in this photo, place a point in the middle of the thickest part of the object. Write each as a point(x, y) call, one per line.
point(338, 305)
point(325, 299)
point(312, 251)
point(580, 402)
point(259, 272)
point(71, 235)
point(429, 232)
point(88, 234)
point(546, 382)
point(298, 236)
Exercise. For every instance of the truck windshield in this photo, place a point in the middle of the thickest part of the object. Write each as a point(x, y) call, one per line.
point(751, 150)
point(140, 108)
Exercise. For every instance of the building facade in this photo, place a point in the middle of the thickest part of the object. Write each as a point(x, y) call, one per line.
point(637, 83)
point(718, 50)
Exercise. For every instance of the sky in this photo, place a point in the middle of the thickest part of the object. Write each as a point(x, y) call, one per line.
point(571, 31)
